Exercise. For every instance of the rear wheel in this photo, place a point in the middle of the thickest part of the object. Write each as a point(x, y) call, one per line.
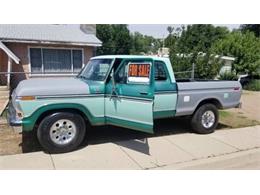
point(205, 119)
point(61, 132)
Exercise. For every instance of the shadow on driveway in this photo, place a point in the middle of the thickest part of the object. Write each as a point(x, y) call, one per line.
point(104, 134)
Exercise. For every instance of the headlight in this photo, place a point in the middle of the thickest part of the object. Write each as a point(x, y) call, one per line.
point(17, 107)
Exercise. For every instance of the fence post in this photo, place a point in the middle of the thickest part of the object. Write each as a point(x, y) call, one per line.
point(192, 72)
point(9, 69)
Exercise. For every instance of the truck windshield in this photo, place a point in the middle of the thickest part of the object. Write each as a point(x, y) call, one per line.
point(96, 69)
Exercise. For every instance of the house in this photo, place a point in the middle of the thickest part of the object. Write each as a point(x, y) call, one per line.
point(227, 62)
point(163, 52)
point(38, 50)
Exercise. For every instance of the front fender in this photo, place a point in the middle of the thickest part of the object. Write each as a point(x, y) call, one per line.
point(30, 121)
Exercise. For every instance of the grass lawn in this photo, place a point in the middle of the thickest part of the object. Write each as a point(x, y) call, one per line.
point(253, 85)
point(235, 119)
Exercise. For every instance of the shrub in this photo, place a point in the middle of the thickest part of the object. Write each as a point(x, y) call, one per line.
point(228, 76)
point(253, 85)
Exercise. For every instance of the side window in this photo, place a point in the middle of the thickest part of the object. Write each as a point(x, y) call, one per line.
point(115, 66)
point(133, 72)
point(160, 73)
point(121, 75)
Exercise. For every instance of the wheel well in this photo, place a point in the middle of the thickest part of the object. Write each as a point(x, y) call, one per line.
point(213, 101)
point(71, 110)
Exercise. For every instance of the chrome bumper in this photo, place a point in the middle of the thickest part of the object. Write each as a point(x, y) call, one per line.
point(12, 118)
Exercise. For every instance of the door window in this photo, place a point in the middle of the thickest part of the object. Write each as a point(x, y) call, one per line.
point(139, 73)
point(134, 73)
point(160, 73)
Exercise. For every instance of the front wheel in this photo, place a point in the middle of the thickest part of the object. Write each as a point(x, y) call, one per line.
point(205, 119)
point(61, 132)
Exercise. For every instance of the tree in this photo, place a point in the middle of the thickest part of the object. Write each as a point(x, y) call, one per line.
point(115, 39)
point(105, 34)
point(200, 37)
point(170, 29)
point(207, 66)
point(121, 38)
point(191, 43)
point(245, 47)
point(144, 44)
point(255, 28)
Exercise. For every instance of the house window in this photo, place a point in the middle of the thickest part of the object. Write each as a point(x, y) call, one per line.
point(49, 61)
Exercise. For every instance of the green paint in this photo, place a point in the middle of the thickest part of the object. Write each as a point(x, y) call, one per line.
point(166, 101)
point(95, 105)
point(137, 113)
point(130, 124)
point(133, 113)
point(29, 122)
point(164, 114)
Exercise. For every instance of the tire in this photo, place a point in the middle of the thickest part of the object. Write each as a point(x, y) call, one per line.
point(202, 122)
point(61, 132)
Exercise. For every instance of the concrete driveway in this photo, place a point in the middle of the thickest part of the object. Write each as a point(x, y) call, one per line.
point(224, 149)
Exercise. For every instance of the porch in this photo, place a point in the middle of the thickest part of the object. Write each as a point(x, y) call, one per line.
point(7, 57)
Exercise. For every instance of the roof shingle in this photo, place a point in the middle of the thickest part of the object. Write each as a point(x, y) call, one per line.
point(47, 33)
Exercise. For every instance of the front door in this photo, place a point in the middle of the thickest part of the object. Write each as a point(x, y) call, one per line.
point(129, 99)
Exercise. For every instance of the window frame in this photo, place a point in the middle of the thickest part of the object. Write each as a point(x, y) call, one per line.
point(31, 74)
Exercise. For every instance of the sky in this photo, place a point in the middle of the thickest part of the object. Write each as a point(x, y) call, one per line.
point(160, 30)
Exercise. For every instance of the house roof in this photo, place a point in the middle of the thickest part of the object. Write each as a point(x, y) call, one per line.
point(47, 33)
point(9, 53)
point(227, 58)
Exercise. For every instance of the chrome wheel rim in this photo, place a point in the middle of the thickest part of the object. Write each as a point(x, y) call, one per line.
point(208, 119)
point(63, 131)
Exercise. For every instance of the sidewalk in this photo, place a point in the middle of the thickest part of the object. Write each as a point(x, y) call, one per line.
point(224, 149)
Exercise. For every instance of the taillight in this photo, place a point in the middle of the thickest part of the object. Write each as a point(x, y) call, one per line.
point(236, 88)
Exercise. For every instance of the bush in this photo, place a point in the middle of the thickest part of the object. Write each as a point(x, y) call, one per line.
point(253, 85)
point(228, 76)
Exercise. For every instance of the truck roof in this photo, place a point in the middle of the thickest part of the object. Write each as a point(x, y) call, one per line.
point(130, 56)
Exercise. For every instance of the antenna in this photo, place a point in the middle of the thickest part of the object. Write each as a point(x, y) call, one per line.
point(163, 40)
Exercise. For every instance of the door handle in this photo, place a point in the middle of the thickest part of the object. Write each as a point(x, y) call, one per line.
point(143, 93)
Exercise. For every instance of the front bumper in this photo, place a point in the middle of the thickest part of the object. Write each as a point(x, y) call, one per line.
point(12, 117)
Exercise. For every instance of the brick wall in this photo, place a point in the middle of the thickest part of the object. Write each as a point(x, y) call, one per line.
point(21, 51)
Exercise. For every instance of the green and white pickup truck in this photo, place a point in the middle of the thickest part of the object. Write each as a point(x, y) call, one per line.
point(126, 91)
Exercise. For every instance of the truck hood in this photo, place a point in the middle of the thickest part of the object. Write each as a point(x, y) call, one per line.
point(52, 87)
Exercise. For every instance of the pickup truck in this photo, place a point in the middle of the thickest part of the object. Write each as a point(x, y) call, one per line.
point(122, 90)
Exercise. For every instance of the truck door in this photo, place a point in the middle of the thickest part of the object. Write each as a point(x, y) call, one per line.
point(130, 94)
point(165, 92)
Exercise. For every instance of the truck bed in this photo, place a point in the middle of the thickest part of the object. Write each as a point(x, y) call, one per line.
point(191, 93)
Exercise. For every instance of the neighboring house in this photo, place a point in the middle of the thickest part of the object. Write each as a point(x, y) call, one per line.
point(227, 61)
point(227, 64)
point(44, 50)
point(163, 52)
